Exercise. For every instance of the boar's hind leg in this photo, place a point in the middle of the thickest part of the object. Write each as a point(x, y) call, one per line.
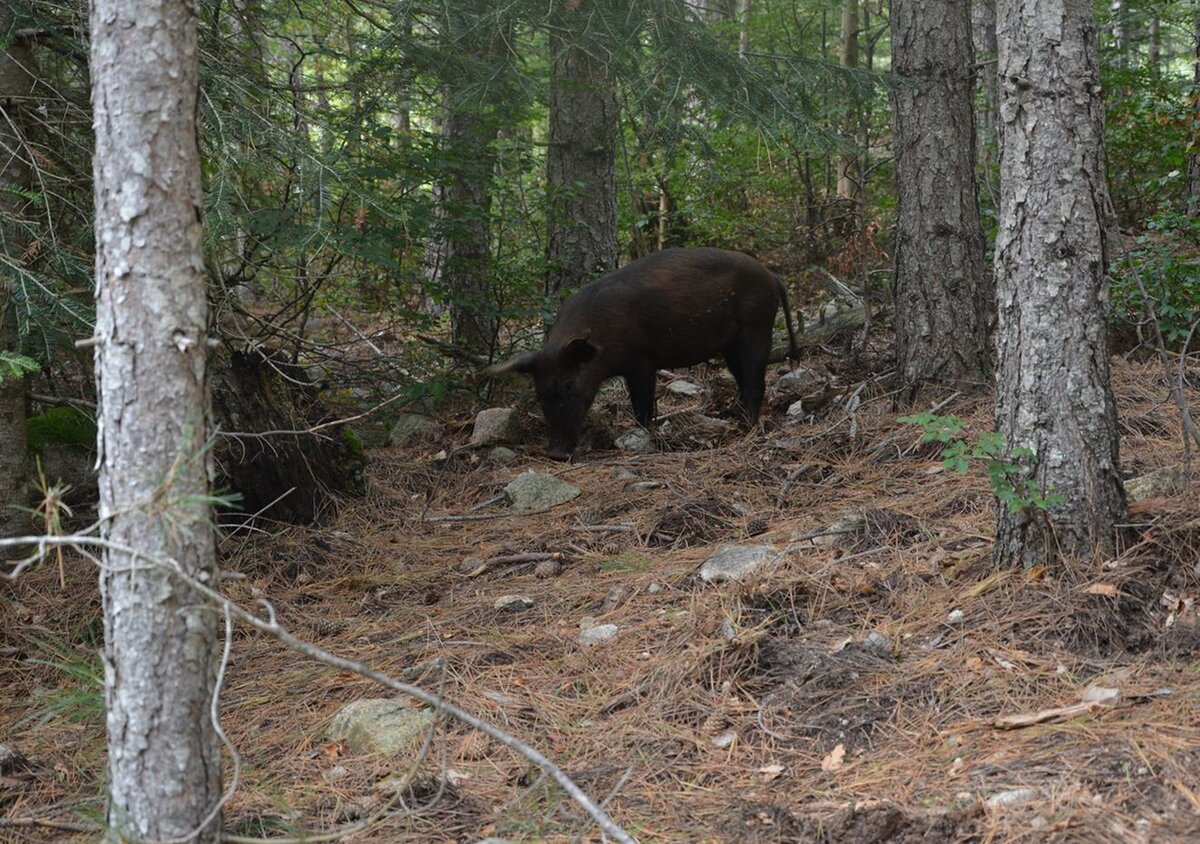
point(747, 359)
point(641, 395)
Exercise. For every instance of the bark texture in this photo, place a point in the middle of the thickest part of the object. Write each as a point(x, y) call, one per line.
point(944, 292)
point(848, 186)
point(160, 639)
point(1053, 380)
point(581, 160)
point(1193, 185)
point(16, 176)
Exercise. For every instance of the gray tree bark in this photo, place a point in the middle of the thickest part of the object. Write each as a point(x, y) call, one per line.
point(469, 132)
point(1193, 183)
point(16, 176)
point(944, 293)
point(160, 643)
point(848, 186)
point(581, 218)
point(1053, 381)
point(983, 37)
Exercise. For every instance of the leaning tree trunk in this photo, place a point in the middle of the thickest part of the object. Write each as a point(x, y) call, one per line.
point(581, 220)
point(1053, 383)
point(160, 637)
point(944, 293)
point(16, 86)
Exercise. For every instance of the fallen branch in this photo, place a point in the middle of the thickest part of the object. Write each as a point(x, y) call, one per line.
point(478, 566)
point(271, 627)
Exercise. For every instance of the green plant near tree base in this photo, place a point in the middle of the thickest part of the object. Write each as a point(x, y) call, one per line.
point(1010, 481)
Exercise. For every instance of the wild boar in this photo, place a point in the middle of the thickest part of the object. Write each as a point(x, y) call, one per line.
point(674, 308)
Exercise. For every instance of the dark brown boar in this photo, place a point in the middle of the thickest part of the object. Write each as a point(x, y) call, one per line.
point(674, 308)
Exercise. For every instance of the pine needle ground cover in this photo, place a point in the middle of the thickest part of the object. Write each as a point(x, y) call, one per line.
point(882, 682)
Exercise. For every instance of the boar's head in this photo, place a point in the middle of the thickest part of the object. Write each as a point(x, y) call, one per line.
point(566, 379)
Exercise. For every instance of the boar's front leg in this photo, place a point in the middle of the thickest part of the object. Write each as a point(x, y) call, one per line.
point(640, 385)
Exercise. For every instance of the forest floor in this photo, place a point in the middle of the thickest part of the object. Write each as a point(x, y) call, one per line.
point(882, 682)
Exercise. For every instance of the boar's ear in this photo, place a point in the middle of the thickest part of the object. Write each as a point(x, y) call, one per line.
point(578, 351)
point(523, 363)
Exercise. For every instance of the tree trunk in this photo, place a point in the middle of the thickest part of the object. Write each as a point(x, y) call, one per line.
point(1053, 383)
point(743, 28)
point(160, 642)
point(469, 132)
point(944, 293)
point(983, 37)
point(847, 181)
point(16, 86)
point(1193, 185)
point(581, 219)
point(1154, 54)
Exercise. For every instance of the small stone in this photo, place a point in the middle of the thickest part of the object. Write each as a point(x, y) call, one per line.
point(624, 475)
point(1012, 797)
point(533, 492)
point(494, 425)
point(1103, 695)
point(683, 387)
point(879, 644)
point(734, 562)
point(641, 485)
point(411, 427)
point(724, 740)
point(955, 617)
point(800, 381)
point(795, 409)
point(613, 599)
point(1161, 483)
point(637, 440)
point(654, 588)
point(597, 634)
point(547, 568)
point(501, 456)
point(513, 602)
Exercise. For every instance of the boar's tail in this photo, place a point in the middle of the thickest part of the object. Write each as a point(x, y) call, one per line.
point(793, 347)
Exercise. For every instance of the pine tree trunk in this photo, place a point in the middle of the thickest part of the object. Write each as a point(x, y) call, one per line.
point(944, 293)
point(983, 38)
point(848, 177)
point(16, 86)
point(1053, 382)
point(743, 28)
point(581, 219)
point(160, 642)
point(1193, 183)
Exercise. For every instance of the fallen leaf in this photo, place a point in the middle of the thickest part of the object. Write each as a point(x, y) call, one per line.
point(835, 759)
point(331, 750)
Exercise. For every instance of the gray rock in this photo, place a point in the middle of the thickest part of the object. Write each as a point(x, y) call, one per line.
point(636, 440)
point(878, 644)
point(734, 562)
point(795, 409)
point(613, 599)
point(799, 382)
point(501, 456)
point(642, 485)
point(1161, 483)
point(622, 474)
point(513, 602)
point(1012, 797)
point(411, 427)
point(596, 635)
point(533, 492)
point(381, 725)
point(494, 425)
point(683, 387)
point(850, 521)
point(654, 588)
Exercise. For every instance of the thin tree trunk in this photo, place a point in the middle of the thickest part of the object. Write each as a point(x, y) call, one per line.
point(743, 28)
point(16, 177)
point(1053, 383)
point(847, 181)
point(581, 160)
point(1193, 185)
point(944, 293)
point(160, 639)
point(1154, 54)
point(983, 37)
